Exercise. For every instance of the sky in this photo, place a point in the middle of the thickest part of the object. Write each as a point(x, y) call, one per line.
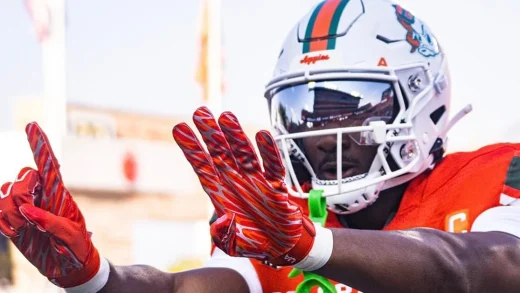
point(140, 56)
point(127, 55)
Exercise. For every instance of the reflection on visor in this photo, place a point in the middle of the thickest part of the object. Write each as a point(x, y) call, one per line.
point(333, 104)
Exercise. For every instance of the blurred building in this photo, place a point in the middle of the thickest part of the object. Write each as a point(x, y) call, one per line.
point(139, 195)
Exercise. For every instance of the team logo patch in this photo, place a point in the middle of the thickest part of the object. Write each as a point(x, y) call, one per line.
point(417, 35)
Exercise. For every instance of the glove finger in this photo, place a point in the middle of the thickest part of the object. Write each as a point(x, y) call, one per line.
point(249, 183)
point(267, 201)
point(215, 140)
point(241, 190)
point(13, 222)
point(5, 227)
point(223, 234)
point(26, 187)
point(54, 191)
point(61, 228)
point(22, 191)
point(5, 191)
point(258, 202)
point(68, 239)
point(252, 242)
point(272, 161)
point(200, 162)
point(274, 171)
point(240, 145)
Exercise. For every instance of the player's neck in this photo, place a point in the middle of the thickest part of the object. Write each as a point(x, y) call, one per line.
point(378, 214)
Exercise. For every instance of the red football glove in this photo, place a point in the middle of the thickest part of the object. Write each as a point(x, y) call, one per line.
point(38, 214)
point(255, 217)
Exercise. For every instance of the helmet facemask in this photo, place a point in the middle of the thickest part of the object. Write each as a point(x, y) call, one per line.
point(364, 110)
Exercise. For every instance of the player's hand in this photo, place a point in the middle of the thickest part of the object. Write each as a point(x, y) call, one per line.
point(255, 216)
point(39, 215)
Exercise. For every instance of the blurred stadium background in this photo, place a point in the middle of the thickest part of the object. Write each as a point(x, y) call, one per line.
point(109, 79)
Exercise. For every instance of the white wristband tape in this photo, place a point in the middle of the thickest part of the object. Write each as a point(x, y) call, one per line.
point(320, 252)
point(95, 284)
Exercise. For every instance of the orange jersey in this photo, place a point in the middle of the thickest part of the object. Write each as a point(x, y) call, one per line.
point(449, 198)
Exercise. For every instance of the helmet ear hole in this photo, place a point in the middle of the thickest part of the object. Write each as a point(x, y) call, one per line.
point(436, 115)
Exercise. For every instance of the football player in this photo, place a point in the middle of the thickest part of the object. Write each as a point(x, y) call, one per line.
point(359, 106)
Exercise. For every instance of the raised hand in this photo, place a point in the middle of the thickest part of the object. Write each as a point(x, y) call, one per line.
point(39, 215)
point(256, 219)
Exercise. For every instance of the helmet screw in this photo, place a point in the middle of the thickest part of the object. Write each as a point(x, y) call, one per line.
point(415, 83)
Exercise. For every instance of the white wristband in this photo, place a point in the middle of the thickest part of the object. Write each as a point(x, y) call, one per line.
point(320, 252)
point(95, 284)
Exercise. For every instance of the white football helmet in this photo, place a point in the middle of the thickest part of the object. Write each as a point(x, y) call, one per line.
point(376, 70)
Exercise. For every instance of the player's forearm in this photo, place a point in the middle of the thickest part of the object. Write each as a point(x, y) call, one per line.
point(141, 278)
point(138, 278)
point(424, 260)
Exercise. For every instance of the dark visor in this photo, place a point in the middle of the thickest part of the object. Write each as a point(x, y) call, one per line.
point(333, 104)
